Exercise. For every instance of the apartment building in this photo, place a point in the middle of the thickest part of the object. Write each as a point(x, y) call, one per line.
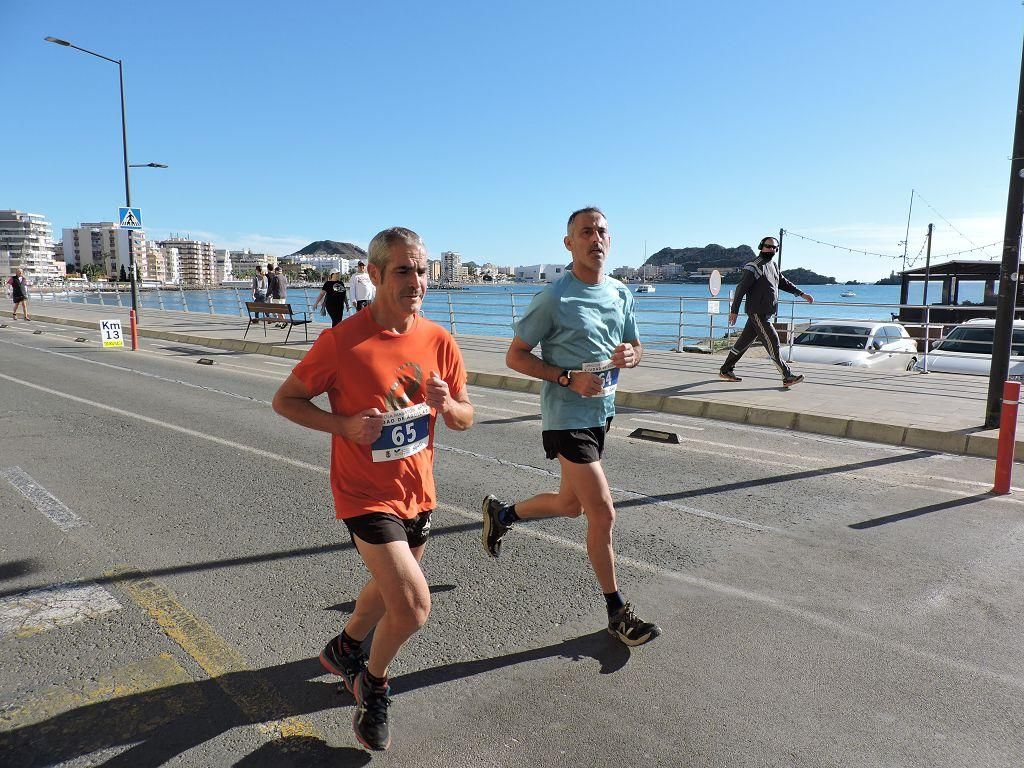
point(451, 267)
point(105, 244)
point(197, 261)
point(26, 242)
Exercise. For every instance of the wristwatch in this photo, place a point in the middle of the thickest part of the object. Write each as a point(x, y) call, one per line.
point(565, 378)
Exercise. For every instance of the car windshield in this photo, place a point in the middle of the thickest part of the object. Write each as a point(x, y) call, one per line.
point(837, 336)
point(978, 340)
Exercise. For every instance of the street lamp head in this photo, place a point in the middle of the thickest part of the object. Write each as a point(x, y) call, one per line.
point(147, 165)
point(56, 40)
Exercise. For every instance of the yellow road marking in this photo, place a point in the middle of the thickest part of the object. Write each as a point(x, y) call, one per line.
point(217, 658)
point(129, 680)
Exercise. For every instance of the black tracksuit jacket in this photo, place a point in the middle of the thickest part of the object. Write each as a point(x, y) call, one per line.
point(760, 285)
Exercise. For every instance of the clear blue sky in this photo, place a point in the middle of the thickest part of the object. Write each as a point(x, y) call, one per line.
point(483, 125)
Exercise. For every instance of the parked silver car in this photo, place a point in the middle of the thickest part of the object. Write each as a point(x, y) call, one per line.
point(968, 349)
point(861, 344)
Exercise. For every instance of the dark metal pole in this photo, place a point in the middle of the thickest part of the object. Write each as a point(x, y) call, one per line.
point(128, 195)
point(1008, 270)
point(779, 259)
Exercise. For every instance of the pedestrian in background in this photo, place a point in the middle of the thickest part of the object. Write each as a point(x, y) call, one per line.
point(279, 293)
point(19, 294)
point(760, 285)
point(361, 287)
point(334, 297)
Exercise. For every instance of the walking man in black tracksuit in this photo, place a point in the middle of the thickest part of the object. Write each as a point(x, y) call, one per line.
point(760, 285)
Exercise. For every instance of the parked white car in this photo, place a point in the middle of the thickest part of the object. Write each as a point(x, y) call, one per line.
point(968, 349)
point(861, 344)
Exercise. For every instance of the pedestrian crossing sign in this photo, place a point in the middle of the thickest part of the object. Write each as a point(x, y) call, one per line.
point(129, 218)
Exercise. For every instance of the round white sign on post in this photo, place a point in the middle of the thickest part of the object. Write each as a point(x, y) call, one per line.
point(715, 282)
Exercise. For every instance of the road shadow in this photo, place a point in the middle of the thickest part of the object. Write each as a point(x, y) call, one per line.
point(231, 562)
point(897, 517)
point(158, 725)
point(12, 569)
point(512, 420)
point(775, 479)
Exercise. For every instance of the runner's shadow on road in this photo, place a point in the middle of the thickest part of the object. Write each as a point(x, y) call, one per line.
point(600, 646)
point(14, 568)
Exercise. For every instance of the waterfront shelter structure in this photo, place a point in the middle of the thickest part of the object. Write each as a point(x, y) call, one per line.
point(958, 291)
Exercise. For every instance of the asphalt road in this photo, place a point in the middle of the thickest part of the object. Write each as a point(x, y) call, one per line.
point(170, 569)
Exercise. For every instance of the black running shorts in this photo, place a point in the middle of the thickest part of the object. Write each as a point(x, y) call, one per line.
point(382, 528)
point(580, 446)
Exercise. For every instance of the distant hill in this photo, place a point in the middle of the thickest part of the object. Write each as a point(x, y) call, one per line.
point(712, 255)
point(720, 257)
point(801, 276)
point(332, 248)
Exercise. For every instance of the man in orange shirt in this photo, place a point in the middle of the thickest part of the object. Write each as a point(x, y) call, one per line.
point(388, 374)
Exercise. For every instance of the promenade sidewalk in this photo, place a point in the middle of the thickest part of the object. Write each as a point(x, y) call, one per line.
point(935, 411)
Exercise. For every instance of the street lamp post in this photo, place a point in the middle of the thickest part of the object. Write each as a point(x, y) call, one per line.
point(124, 147)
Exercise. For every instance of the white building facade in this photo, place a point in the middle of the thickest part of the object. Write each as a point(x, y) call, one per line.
point(26, 243)
point(197, 262)
point(539, 273)
point(105, 244)
point(451, 267)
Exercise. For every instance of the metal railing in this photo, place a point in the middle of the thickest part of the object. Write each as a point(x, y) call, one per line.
point(676, 323)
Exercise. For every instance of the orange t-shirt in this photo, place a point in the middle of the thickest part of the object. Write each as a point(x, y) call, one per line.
point(361, 365)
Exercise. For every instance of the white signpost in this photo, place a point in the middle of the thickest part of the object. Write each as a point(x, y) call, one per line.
point(110, 332)
point(714, 286)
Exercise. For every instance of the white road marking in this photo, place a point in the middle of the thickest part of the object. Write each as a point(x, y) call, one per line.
point(727, 590)
point(694, 511)
point(501, 410)
point(38, 610)
point(43, 500)
point(534, 403)
point(743, 456)
point(283, 365)
point(768, 602)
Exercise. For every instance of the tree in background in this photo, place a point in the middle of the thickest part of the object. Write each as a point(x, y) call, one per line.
point(124, 275)
point(93, 271)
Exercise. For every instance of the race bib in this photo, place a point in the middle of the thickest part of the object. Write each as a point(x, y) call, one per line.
point(609, 375)
point(405, 432)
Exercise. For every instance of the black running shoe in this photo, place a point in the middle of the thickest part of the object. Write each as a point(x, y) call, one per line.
point(728, 376)
point(347, 666)
point(631, 630)
point(494, 529)
point(791, 380)
point(371, 719)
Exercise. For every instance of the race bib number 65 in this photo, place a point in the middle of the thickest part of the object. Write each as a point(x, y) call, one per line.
point(405, 433)
point(608, 373)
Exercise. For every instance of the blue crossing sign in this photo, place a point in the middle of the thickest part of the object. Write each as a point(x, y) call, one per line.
point(129, 218)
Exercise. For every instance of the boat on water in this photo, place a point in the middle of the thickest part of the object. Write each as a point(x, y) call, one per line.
point(847, 294)
point(645, 288)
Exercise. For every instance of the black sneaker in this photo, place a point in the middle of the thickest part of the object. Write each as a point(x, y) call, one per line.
point(631, 630)
point(347, 666)
point(371, 719)
point(791, 380)
point(728, 376)
point(494, 529)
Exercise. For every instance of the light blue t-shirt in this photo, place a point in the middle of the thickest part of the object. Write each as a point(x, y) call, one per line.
point(576, 323)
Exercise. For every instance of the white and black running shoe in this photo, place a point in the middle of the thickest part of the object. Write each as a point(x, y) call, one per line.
point(629, 629)
point(494, 529)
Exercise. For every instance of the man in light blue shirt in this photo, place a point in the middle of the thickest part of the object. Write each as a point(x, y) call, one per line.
point(586, 326)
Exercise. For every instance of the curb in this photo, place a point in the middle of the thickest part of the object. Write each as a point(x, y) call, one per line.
point(923, 438)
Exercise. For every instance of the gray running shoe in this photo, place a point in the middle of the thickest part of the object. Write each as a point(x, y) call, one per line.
point(792, 380)
point(629, 629)
point(494, 529)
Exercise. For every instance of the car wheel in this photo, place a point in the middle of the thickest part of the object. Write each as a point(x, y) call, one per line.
point(912, 363)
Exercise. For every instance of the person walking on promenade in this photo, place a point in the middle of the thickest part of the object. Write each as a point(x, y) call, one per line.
point(361, 287)
point(259, 286)
point(389, 374)
point(585, 323)
point(19, 294)
point(334, 298)
point(279, 293)
point(760, 285)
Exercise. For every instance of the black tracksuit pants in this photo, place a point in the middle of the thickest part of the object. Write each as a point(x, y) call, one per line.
point(758, 327)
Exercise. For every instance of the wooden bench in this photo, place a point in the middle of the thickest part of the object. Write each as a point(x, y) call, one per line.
point(272, 313)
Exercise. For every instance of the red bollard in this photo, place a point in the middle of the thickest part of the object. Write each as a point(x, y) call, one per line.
point(135, 330)
point(1007, 436)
